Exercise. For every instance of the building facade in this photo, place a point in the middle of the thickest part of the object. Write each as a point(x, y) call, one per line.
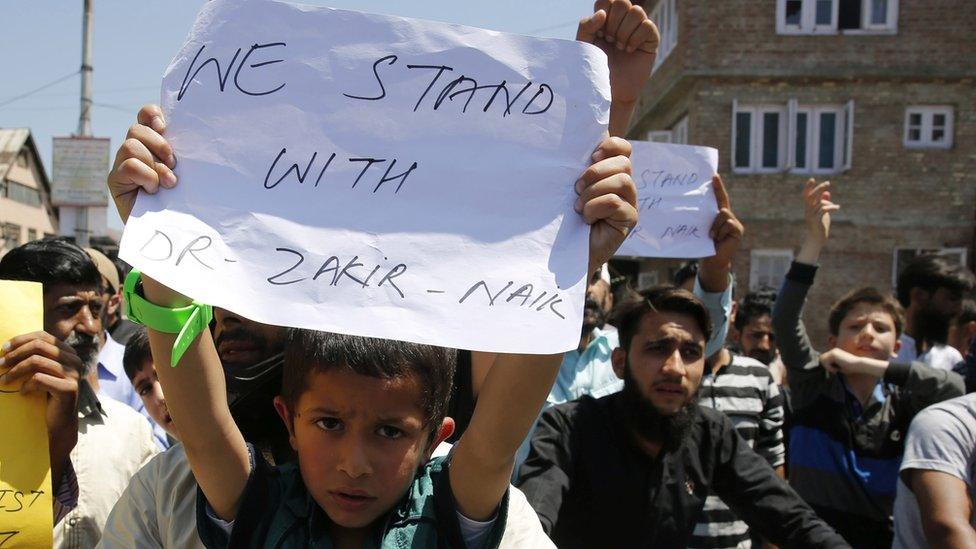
point(876, 96)
point(26, 212)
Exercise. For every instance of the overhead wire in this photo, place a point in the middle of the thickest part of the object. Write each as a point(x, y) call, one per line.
point(35, 90)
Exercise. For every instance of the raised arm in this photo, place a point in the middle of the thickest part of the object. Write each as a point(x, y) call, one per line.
point(195, 389)
point(516, 386)
point(801, 360)
point(713, 285)
point(630, 40)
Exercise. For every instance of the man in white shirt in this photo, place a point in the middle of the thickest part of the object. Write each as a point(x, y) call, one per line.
point(931, 290)
point(113, 440)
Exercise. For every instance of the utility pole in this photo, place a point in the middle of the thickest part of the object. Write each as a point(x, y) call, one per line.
point(82, 231)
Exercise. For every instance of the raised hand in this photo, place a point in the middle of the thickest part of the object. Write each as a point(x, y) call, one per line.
point(816, 212)
point(144, 161)
point(607, 199)
point(630, 40)
point(726, 233)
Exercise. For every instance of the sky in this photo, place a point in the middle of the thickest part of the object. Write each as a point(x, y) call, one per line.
point(133, 42)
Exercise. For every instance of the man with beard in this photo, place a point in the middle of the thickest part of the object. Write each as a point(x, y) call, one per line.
point(633, 469)
point(113, 440)
point(753, 326)
point(931, 290)
point(159, 507)
point(588, 370)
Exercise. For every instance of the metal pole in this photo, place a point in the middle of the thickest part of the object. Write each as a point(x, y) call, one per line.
point(82, 232)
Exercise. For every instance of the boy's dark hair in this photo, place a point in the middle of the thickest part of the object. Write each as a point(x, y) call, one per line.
point(754, 305)
point(308, 351)
point(627, 315)
point(136, 353)
point(869, 295)
point(931, 272)
point(686, 272)
point(50, 261)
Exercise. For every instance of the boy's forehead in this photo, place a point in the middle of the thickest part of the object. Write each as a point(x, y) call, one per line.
point(343, 390)
point(864, 309)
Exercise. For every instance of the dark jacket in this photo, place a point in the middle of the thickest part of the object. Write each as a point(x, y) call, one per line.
point(844, 457)
point(592, 487)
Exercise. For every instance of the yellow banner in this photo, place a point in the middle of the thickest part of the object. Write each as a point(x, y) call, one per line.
point(26, 513)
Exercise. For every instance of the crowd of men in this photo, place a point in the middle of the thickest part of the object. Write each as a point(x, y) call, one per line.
point(686, 417)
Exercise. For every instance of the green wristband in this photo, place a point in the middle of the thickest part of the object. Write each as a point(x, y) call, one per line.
point(189, 322)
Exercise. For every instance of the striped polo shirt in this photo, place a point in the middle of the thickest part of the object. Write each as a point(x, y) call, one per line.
point(745, 392)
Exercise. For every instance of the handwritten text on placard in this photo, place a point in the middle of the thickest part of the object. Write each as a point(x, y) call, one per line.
point(675, 201)
point(377, 175)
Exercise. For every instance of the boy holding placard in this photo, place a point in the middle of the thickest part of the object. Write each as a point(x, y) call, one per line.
point(364, 415)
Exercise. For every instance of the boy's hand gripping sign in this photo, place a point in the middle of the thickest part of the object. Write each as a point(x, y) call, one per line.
point(377, 176)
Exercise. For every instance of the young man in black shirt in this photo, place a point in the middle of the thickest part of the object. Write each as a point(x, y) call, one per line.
point(633, 469)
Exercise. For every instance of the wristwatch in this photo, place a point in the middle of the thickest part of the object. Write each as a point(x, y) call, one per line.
point(189, 322)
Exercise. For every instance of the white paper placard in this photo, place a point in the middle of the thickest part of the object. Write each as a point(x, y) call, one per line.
point(377, 176)
point(675, 201)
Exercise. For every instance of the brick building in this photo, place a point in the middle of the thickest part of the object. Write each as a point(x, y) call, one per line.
point(877, 96)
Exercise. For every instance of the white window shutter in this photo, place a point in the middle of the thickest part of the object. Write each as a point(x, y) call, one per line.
point(849, 135)
point(791, 134)
point(735, 109)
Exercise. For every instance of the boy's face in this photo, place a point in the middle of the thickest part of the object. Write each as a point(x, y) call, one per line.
point(867, 330)
point(360, 441)
point(667, 359)
point(147, 386)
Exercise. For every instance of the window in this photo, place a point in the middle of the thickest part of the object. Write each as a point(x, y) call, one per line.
point(665, 16)
point(679, 132)
point(928, 127)
point(20, 193)
point(820, 137)
point(9, 237)
point(31, 235)
point(758, 138)
point(833, 16)
point(902, 256)
point(659, 136)
point(768, 268)
point(799, 138)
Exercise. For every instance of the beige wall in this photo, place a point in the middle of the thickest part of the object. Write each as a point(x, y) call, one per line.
point(27, 217)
